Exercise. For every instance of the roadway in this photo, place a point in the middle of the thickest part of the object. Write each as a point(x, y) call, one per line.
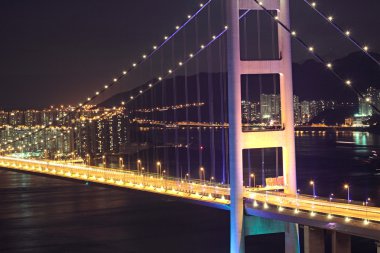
point(258, 200)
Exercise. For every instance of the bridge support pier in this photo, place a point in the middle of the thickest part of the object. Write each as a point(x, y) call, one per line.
point(378, 246)
point(314, 240)
point(341, 243)
point(237, 242)
point(292, 244)
point(237, 139)
point(254, 225)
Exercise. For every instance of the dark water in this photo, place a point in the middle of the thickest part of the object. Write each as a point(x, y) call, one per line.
point(43, 214)
point(331, 166)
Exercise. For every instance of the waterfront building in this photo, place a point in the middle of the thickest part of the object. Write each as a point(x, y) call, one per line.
point(270, 106)
point(3, 118)
point(16, 118)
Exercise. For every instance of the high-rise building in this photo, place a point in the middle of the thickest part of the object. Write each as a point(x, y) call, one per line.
point(365, 108)
point(250, 112)
point(3, 118)
point(16, 118)
point(305, 111)
point(310, 109)
point(297, 110)
point(313, 109)
point(32, 117)
point(101, 137)
point(246, 111)
point(371, 96)
point(270, 105)
point(48, 116)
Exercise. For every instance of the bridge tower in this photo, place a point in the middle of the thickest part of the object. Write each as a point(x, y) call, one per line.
point(239, 140)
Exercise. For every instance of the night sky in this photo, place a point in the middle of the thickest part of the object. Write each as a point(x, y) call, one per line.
point(59, 52)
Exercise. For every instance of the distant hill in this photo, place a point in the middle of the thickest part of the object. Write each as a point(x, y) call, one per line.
point(332, 117)
point(311, 81)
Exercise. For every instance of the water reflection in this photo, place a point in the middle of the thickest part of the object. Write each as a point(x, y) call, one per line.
point(334, 158)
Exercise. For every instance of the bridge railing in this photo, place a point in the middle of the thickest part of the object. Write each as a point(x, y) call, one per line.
point(151, 181)
point(196, 189)
point(315, 205)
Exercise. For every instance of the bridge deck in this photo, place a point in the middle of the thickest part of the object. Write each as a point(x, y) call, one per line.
point(261, 199)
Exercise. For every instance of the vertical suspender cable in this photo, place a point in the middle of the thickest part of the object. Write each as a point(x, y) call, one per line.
point(225, 98)
point(222, 111)
point(210, 97)
point(187, 108)
point(225, 173)
point(200, 147)
point(175, 116)
point(247, 96)
point(164, 116)
point(152, 128)
point(274, 55)
point(261, 91)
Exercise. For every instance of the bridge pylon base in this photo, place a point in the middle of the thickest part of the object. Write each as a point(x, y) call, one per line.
point(314, 240)
point(341, 243)
point(254, 225)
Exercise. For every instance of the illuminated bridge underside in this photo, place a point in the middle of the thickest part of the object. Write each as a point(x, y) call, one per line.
point(263, 202)
point(318, 218)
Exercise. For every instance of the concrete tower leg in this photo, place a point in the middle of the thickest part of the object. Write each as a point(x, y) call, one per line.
point(378, 247)
point(287, 115)
point(239, 140)
point(237, 244)
point(314, 240)
point(292, 238)
point(341, 243)
point(287, 111)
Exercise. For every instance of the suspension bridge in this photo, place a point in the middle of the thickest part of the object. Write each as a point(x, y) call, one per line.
point(268, 208)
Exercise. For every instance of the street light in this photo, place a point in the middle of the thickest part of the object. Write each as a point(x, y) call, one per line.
point(138, 165)
point(329, 216)
point(163, 179)
point(211, 179)
point(347, 187)
point(297, 200)
point(121, 162)
point(312, 183)
point(142, 174)
point(202, 172)
point(88, 159)
point(158, 168)
point(104, 160)
point(366, 222)
point(254, 180)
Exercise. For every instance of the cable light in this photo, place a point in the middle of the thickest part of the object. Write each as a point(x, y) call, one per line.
point(115, 80)
point(346, 33)
point(203, 47)
point(185, 61)
point(318, 57)
point(160, 78)
point(175, 69)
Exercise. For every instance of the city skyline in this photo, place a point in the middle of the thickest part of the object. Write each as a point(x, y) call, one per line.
point(266, 112)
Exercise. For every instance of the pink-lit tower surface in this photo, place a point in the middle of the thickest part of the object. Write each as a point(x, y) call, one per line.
point(239, 140)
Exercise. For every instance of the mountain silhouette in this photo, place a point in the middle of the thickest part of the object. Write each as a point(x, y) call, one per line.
point(311, 81)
